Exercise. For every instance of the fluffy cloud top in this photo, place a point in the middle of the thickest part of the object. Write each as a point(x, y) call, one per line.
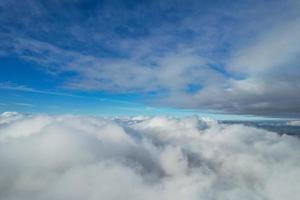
point(72, 157)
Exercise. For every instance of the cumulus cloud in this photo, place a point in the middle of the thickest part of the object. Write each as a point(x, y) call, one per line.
point(76, 157)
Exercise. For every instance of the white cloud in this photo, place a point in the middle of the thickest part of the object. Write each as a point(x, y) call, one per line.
point(273, 48)
point(294, 123)
point(72, 157)
point(8, 117)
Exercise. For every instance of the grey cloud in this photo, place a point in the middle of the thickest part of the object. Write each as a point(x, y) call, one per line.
point(264, 75)
point(61, 157)
point(271, 70)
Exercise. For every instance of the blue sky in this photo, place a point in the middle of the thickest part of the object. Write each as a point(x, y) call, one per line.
point(224, 59)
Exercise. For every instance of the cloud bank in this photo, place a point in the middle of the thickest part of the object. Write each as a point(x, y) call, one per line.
point(73, 157)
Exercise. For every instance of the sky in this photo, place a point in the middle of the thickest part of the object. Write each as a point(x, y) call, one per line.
point(222, 59)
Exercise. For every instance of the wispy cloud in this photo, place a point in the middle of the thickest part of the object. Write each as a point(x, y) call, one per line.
point(24, 104)
point(23, 88)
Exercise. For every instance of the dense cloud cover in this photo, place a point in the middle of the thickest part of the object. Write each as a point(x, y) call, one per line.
point(72, 157)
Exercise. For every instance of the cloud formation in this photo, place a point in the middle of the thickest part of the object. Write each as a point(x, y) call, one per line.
point(73, 157)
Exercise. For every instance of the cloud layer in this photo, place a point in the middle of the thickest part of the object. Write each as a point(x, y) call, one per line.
point(72, 157)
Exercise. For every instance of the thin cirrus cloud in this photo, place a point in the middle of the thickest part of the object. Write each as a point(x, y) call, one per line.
point(58, 157)
point(241, 58)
